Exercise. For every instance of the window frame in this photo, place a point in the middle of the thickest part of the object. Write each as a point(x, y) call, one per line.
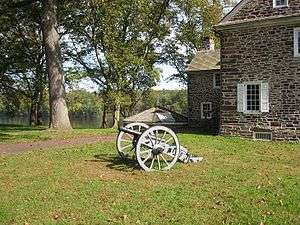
point(202, 111)
point(214, 81)
point(280, 6)
point(296, 42)
point(264, 95)
point(245, 98)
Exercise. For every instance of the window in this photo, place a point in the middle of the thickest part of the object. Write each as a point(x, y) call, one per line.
point(206, 110)
point(280, 3)
point(297, 42)
point(253, 97)
point(217, 80)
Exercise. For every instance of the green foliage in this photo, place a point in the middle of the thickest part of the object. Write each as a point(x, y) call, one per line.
point(22, 59)
point(115, 43)
point(110, 41)
point(83, 102)
point(175, 100)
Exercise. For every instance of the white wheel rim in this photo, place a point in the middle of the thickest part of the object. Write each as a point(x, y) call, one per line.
point(125, 142)
point(157, 149)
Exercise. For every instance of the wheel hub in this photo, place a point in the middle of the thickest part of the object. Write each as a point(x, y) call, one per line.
point(157, 150)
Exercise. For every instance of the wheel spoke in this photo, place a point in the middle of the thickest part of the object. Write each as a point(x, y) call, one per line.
point(168, 154)
point(145, 160)
point(129, 136)
point(159, 167)
point(152, 163)
point(161, 139)
point(125, 140)
point(167, 141)
point(156, 136)
point(164, 159)
point(151, 140)
point(126, 147)
point(142, 152)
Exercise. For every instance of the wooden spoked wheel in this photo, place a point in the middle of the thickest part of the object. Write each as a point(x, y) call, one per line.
point(126, 143)
point(157, 149)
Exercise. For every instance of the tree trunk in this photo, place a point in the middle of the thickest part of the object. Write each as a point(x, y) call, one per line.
point(30, 112)
point(33, 113)
point(59, 118)
point(117, 115)
point(103, 123)
point(38, 121)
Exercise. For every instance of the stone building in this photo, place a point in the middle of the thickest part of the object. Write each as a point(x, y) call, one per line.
point(204, 91)
point(260, 73)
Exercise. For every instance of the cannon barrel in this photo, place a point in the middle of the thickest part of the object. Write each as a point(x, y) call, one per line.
point(130, 131)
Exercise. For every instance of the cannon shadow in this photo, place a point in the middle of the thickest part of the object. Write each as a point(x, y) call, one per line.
point(117, 163)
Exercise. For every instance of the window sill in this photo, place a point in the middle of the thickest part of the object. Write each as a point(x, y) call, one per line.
point(252, 112)
point(280, 6)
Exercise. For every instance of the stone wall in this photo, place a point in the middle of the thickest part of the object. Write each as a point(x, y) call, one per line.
point(200, 89)
point(261, 54)
point(254, 9)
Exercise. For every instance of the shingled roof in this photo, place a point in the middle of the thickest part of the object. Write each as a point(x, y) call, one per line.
point(157, 115)
point(205, 60)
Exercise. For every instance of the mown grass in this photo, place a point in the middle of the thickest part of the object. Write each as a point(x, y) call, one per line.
point(19, 133)
point(239, 182)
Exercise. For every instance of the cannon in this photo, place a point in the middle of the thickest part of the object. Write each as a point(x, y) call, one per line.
point(154, 148)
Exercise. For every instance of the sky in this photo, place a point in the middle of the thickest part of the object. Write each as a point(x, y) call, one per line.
point(165, 84)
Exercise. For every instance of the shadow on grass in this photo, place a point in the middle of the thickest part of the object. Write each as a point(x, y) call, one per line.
point(4, 136)
point(117, 163)
point(194, 131)
point(21, 137)
point(16, 127)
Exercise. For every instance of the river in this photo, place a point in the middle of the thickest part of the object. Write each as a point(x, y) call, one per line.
point(76, 121)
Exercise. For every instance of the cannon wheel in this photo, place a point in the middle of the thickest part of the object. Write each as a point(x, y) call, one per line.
point(157, 149)
point(126, 143)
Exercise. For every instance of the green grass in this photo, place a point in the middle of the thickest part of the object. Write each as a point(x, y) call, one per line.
point(239, 182)
point(15, 133)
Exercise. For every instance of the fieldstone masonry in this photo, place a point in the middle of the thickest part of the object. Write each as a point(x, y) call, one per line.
point(261, 54)
point(253, 52)
point(254, 9)
point(200, 89)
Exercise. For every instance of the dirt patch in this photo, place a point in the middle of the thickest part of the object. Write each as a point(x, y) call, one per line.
point(61, 143)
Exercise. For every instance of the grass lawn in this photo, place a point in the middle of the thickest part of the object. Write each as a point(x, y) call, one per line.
point(239, 182)
point(15, 133)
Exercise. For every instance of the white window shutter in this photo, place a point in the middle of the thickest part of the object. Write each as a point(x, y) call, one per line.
point(264, 93)
point(240, 97)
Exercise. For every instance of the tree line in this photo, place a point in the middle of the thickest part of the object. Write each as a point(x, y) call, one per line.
point(117, 44)
point(84, 104)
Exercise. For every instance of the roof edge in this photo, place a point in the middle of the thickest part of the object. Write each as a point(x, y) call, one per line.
point(232, 12)
point(267, 21)
point(199, 70)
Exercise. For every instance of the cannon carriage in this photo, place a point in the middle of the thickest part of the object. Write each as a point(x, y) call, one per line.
point(154, 148)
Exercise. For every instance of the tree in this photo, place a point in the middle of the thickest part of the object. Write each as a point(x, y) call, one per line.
point(59, 118)
point(84, 103)
point(118, 43)
point(114, 42)
point(195, 24)
point(22, 61)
